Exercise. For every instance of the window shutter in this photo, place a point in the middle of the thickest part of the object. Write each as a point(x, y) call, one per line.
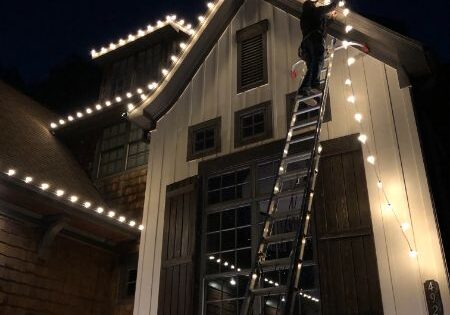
point(252, 56)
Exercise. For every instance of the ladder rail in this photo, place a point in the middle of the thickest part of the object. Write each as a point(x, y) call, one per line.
point(308, 196)
point(305, 213)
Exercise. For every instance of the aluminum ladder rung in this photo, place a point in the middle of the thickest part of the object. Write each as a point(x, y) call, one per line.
point(306, 98)
point(308, 123)
point(293, 175)
point(307, 110)
point(279, 215)
point(282, 289)
point(280, 238)
point(280, 263)
point(299, 157)
point(301, 139)
point(289, 193)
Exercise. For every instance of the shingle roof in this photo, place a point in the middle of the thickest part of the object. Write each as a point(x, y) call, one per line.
point(27, 145)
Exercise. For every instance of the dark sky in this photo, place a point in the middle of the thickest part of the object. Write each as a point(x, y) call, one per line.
point(35, 35)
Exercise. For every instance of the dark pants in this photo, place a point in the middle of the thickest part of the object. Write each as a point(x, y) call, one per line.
point(312, 51)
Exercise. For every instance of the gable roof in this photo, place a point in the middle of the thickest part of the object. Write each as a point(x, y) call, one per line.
point(400, 52)
point(27, 145)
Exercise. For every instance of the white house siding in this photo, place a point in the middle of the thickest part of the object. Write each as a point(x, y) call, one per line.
point(390, 125)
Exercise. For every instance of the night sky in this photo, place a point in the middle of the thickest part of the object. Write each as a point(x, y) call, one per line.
point(36, 35)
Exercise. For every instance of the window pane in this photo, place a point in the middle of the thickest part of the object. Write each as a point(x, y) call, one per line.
point(213, 243)
point(228, 219)
point(213, 222)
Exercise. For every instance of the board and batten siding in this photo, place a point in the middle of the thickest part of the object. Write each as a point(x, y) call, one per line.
point(390, 125)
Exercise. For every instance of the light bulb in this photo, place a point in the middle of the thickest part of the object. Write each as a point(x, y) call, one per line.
point(132, 223)
point(87, 205)
point(53, 125)
point(79, 115)
point(358, 117)
point(129, 95)
point(348, 28)
point(130, 107)
point(108, 103)
point(62, 121)
point(351, 99)
point(11, 172)
point(201, 19)
point(141, 227)
point(345, 44)
point(412, 254)
point(232, 282)
point(165, 72)
point(174, 58)
point(122, 219)
point(111, 214)
point(348, 82)
point(139, 91)
point(100, 210)
point(341, 3)
point(254, 276)
point(218, 261)
point(371, 159)
point(88, 110)
point(45, 186)
point(28, 179)
point(118, 99)
point(351, 61)
point(405, 226)
point(183, 45)
point(210, 5)
point(211, 257)
point(70, 118)
point(73, 199)
point(60, 192)
point(362, 138)
point(346, 12)
point(98, 107)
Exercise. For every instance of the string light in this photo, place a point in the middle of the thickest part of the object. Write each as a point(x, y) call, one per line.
point(405, 226)
point(371, 159)
point(362, 138)
point(348, 28)
point(351, 61)
point(346, 12)
point(44, 186)
point(351, 99)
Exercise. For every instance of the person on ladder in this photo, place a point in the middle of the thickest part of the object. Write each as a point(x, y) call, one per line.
point(313, 23)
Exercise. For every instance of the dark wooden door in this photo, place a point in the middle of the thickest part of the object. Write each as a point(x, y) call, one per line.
point(349, 280)
point(178, 269)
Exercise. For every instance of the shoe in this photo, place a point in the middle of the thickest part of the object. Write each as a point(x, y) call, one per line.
point(308, 92)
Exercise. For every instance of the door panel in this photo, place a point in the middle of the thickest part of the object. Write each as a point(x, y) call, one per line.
point(349, 280)
point(177, 287)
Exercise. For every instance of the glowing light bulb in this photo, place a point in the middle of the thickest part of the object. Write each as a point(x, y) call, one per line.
point(254, 276)
point(165, 72)
point(412, 254)
point(88, 110)
point(108, 103)
point(345, 44)
point(130, 107)
point(122, 219)
point(60, 193)
point(100, 210)
point(111, 214)
point(174, 58)
point(225, 264)
point(62, 122)
point(118, 99)
point(79, 114)
point(132, 223)
point(201, 19)
point(141, 227)
point(70, 118)
point(380, 184)
point(233, 282)
point(129, 95)
point(351, 61)
point(139, 91)
point(362, 138)
point(73, 199)
point(218, 260)
point(358, 117)
point(371, 159)
point(346, 12)
point(11, 172)
point(210, 5)
point(348, 82)
point(87, 205)
point(28, 179)
point(405, 226)
point(183, 45)
point(320, 149)
point(341, 3)
point(98, 107)
point(348, 28)
point(53, 125)
point(351, 99)
point(45, 186)
point(211, 257)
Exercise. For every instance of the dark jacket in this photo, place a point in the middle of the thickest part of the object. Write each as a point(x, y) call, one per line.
point(314, 18)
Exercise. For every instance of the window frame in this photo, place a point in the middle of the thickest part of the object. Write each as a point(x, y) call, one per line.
point(126, 147)
point(216, 125)
point(242, 35)
point(127, 263)
point(239, 140)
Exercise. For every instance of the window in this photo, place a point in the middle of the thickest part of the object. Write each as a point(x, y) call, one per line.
point(122, 148)
point(233, 227)
point(290, 102)
point(253, 124)
point(204, 139)
point(252, 56)
point(128, 276)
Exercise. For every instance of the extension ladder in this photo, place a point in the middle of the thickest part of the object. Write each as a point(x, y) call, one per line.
point(295, 180)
